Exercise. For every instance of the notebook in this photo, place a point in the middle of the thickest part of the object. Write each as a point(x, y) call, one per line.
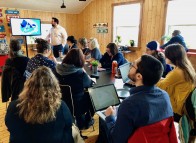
point(124, 70)
point(102, 97)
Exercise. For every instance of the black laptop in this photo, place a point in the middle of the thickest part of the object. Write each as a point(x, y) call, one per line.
point(102, 97)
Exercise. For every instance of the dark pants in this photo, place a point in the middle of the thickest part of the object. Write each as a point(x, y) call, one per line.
point(57, 49)
point(177, 117)
point(103, 132)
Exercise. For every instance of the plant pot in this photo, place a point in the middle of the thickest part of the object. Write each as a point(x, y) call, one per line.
point(94, 69)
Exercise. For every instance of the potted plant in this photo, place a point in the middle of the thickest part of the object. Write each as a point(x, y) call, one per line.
point(118, 39)
point(132, 43)
point(94, 64)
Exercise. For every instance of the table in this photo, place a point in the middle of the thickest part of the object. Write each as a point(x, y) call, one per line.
point(106, 77)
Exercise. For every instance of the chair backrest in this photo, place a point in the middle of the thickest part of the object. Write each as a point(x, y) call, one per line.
point(159, 132)
point(67, 97)
point(187, 123)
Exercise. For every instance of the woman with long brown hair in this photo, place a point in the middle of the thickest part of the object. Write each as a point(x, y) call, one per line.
point(181, 80)
point(111, 55)
point(39, 115)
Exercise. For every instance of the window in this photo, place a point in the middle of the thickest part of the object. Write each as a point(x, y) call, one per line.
point(181, 15)
point(126, 23)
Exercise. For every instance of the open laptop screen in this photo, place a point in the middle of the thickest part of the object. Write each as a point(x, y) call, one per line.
point(124, 70)
point(104, 96)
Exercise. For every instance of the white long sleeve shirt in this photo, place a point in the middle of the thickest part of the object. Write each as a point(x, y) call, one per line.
point(58, 35)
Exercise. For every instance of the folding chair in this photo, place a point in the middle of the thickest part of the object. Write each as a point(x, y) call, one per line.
point(67, 97)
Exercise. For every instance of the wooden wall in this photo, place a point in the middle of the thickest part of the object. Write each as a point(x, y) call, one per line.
point(153, 17)
point(68, 21)
point(81, 25)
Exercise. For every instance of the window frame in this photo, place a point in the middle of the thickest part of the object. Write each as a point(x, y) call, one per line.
point(140, 21)
point(165, 18)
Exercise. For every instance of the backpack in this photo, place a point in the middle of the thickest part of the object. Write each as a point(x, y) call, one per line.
point(187, 123)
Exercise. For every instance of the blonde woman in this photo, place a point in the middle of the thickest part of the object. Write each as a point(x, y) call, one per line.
point(94, 50)
point(39, 115)
point(181, 80)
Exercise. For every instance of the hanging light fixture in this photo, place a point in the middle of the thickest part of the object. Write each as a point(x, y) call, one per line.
point(63, 5)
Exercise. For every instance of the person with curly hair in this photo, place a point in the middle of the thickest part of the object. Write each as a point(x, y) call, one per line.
point(39, 115)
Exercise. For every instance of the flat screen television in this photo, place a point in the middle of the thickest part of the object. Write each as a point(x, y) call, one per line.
point(25, 26)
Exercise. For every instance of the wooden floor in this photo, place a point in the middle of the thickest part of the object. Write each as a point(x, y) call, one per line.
point(4, 134)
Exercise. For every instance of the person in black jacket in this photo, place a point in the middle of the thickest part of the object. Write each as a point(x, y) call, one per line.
point(72, 43)
point(71, 73)
point(111, 55)
point(12, 76)
point(39, 115)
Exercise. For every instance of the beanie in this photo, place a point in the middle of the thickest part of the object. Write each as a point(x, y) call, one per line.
point(153, 45)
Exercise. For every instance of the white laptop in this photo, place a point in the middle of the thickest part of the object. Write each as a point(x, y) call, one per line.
point(124, 70)
point(102, 97)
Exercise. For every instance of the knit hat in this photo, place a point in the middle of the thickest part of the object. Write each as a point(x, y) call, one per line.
point(153, 45)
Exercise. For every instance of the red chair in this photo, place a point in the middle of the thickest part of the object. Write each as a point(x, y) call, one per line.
point(3, 58)
point(159, 132)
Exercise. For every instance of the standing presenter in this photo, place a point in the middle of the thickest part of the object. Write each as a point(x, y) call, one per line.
point(58, 36)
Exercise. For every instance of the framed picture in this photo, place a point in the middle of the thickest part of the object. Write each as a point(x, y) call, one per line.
point(11, 16)
point(102, 30)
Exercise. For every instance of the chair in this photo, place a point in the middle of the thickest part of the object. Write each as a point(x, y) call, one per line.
point(67, 97)
point(159, 132)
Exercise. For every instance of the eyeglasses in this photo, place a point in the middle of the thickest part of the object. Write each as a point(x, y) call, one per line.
point(132, 65)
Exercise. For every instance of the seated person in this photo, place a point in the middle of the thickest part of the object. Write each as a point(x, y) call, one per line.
point(111, 55)
point(41, 58)
point(176, 38)
point(147, 104)
point(95, 53)
point(180, 82)
point(13, 72)
point(152, 49)
point(71, 72)
point(39, 115)
point(72, 43)
point(83, 45)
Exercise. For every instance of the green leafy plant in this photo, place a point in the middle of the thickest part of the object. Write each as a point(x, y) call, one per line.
point(118, 39)
point(95, 63)
point(166, 38)
point(132, 43)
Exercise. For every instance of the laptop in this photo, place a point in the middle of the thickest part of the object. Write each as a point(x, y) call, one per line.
point(102, 97)
point(124, 70)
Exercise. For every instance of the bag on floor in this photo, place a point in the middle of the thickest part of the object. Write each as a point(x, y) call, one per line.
point(76, 134)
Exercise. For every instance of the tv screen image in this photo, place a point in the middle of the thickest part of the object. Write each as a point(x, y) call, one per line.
point(25, 26)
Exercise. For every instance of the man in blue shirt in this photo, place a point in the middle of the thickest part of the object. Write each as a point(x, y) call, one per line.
point(176, 38)
point(146, 105)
